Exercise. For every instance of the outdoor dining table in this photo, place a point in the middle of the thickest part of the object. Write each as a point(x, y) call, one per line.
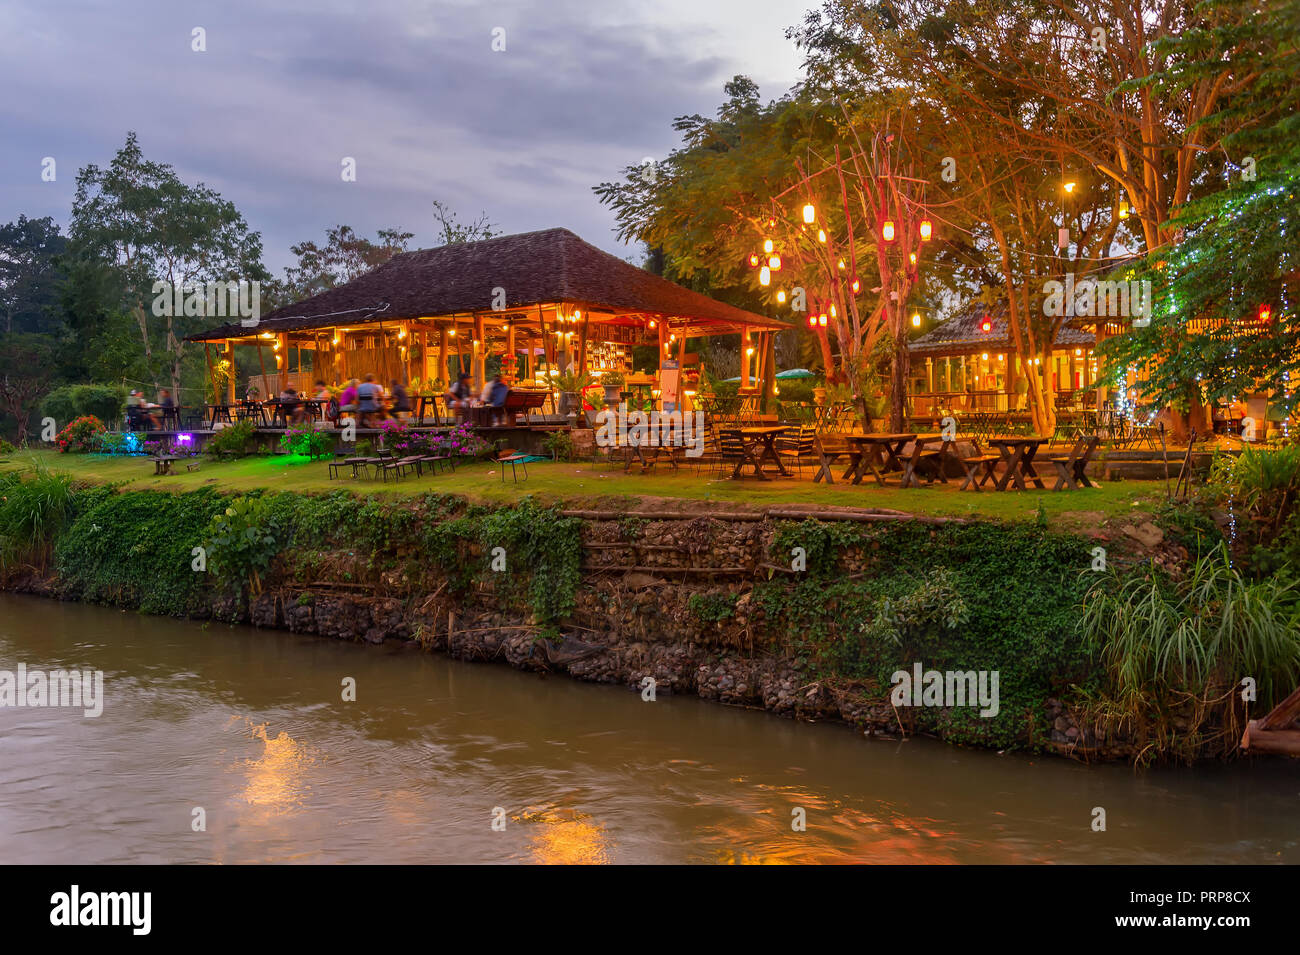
point(946, 447)
point(162, 463)
point(762, 439)
point(218, 413)
point(869, 447)
point(1018, 455)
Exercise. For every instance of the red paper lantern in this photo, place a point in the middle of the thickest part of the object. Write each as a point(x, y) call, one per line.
point(1265, 314)
point(887, 230)
point(986, 325)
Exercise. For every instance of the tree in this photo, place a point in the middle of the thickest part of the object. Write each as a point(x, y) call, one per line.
point(147, 226)
point(29, 274)
point(453, 230)
point(1226, 324)
point(344, 257)
point(26, 371)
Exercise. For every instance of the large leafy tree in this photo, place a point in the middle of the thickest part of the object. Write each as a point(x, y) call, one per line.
point(145, 225)
point(343, 256)
point(1227, 319)
point(29, 273)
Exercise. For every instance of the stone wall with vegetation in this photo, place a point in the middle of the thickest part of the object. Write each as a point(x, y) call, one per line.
point(800, 616)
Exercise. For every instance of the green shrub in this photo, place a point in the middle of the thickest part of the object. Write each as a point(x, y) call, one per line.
point(236, 439)
point(305, 440)
point(712, 608)
point(66, 402)
point(6, 447)
point(240, 543)
point(34, 509)
point(1171, 644)
point(135, 549)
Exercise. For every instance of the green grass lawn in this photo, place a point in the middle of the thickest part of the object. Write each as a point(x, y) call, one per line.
point(599, 485)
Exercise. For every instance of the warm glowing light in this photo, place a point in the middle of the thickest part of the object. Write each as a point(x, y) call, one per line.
point(856, 286)
point(1123, 209)
point(774, 263)
point(652, 323)
point(812, 320)
point(277, 346)
point(821, 319)
point(401, 333)
point(1078, 352)
point(765, 276)
point(1265, 313)
point(767, 246)
point(780, 297)
point(916, 320)
point(912, 256)
point(1002, 357)
point(926, 230)
point(887, 230)
point(749, 351)
point(986, 325)
point(1069, 186)
point(753, 259)
point(451, 332)
point(832, 311)
point(336, 339)
point(984, 357)
point(809, 214)
point(821, 235)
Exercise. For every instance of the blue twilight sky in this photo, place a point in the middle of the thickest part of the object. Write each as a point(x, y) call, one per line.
point(412, 90)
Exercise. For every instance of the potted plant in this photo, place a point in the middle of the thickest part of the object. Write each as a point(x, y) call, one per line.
point(570, 387)
point(613, 384)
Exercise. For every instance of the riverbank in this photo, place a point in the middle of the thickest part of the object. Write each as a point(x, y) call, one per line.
point(809, 617)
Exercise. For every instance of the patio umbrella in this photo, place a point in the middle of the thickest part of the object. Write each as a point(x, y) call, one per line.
point(795, 373)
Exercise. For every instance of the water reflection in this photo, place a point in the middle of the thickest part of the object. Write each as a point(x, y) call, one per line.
point(249, 725)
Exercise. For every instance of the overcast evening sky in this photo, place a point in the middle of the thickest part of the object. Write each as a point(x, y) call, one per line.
point(412, 90)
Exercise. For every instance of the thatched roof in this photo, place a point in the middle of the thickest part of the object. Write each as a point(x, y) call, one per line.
point(533, 268)
point(962, 334)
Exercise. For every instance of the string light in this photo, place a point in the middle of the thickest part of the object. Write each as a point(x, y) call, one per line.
point(916, 319)
point(774, 263)
point(765, 276)
point(887, 230)
point(821, 235)
point(926, 230)
point(767, 246)
point(809, 214)
point(780, 296)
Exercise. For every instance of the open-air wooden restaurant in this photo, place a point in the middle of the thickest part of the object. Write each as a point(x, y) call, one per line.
point(553, 317)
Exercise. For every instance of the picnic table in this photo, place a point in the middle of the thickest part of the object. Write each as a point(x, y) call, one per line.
point(868, 448)
point(762, 439)
point(162, 463)
point(1018, 455)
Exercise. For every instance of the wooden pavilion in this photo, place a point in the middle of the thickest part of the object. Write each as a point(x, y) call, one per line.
point(544, 302)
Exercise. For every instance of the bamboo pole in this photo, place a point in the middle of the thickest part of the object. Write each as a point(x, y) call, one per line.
point(261, 362)
point(230, 381)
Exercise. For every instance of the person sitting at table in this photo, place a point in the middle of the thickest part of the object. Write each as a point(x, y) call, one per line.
point(291, 406)
point(369, 401)
point(329, 406)
point(401, 401)
point(458, 396)
point(348, 400)
point(494, 396)
point(137, 411)
point(167, 406)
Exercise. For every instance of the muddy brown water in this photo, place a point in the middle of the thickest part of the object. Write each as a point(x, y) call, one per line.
point(250, 726)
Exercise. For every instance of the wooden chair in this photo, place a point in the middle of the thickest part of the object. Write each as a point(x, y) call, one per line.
point(796, 444)
point(1070, 467)
point(512, 460)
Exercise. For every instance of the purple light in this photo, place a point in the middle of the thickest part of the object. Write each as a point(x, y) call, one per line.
point(184, 439)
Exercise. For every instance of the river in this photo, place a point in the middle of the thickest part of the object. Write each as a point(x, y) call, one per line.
point(250, 727)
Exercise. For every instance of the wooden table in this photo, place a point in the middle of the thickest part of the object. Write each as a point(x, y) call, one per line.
point(218, 413)
point(162, 463)
point(918, 453)
point(1018, 455)
point(752, 438)
point(871, 446)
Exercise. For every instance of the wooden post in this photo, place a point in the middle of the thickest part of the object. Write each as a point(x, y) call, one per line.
point(212, 373)
point(442, 354)
point(230, 381)
point(744, 356)
point(510, 350)
point(480, 353)
point(284, 350)
point(262, 364)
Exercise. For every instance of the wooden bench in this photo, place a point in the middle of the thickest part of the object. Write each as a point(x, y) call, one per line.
point(521, 401)
point(399, 467)
point(972, 464)
point(1070, 467)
